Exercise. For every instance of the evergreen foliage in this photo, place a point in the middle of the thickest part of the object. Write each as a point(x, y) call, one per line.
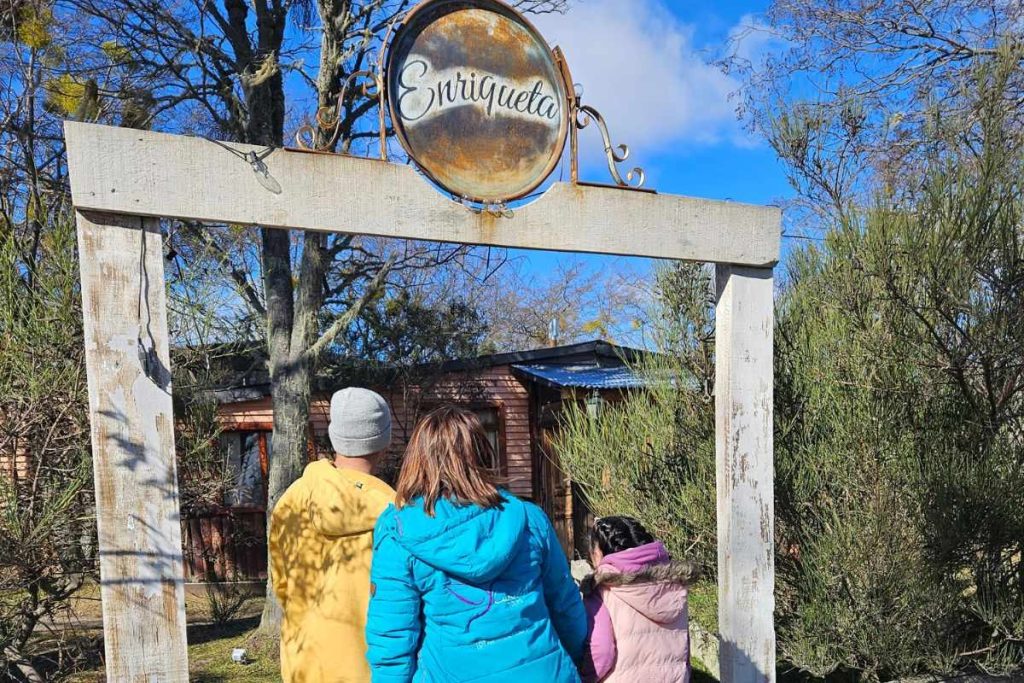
point(900, 462)
point(47, 531)
point(899, 407)
point(652, 455)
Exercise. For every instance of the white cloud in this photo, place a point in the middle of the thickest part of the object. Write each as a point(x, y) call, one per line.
point(639, 67)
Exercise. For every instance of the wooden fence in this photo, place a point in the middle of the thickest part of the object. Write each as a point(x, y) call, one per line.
point(225, 545)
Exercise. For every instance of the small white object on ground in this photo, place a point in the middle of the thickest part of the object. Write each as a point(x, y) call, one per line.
point(579, 569)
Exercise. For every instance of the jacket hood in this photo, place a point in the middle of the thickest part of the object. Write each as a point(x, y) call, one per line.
point(647, 580)
point(471, 543)
point(344, 502)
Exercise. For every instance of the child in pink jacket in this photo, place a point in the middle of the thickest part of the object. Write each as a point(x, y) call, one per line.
point(636, 607)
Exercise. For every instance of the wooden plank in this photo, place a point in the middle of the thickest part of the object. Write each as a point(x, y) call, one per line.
point(137, 517)
point(209, 553)
point(197, 544)
point(256, 563)
point(188, 557)
point(228, 543)
point(217, 547)
point(744, 452)
point(137, 172)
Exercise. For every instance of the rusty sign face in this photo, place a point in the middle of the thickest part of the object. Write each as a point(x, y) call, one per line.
point(477, 98)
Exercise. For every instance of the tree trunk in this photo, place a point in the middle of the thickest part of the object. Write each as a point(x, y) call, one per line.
point(290, 392)
point(294, 296)
point(291, 330)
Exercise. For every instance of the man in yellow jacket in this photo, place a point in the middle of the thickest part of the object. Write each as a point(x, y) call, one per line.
point(321, 542)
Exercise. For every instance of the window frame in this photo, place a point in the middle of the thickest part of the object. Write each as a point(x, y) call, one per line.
point(265, 431)
point(474, 406)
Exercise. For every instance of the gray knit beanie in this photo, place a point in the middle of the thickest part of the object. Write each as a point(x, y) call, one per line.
point(360, 422)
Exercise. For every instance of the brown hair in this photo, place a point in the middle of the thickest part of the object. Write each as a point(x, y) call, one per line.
point(445, 459)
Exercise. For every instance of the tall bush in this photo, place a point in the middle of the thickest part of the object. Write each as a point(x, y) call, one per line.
point(652, 454)
point(47, 545)
point(901, 419)
point(899, 405)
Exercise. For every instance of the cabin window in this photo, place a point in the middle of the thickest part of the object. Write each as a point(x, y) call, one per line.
point(246, 454)
point(492, 426)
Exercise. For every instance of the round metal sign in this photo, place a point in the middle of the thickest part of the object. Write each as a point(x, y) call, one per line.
point(477, 98)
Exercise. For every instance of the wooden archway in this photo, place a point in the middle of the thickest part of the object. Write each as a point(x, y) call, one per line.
point(123, 181)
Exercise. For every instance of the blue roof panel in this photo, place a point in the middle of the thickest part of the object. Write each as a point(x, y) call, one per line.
point(585, 375)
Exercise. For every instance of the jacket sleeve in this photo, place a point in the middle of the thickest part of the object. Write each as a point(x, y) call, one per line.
point(278, 565)
point(601, 651)
point(561, 594)
point(393, 625)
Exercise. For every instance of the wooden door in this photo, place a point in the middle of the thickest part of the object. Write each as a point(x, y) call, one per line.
point(552, 491)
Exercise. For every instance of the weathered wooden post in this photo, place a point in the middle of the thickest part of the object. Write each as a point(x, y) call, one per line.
point(137, 517)
point(744, 381)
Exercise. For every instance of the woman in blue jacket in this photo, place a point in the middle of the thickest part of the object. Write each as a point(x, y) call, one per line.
point(468, 582)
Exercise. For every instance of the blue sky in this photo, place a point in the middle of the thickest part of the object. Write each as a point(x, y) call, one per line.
point(647, 66)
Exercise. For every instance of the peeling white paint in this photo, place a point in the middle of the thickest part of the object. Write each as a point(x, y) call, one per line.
point(744, 443)
point(141, 577)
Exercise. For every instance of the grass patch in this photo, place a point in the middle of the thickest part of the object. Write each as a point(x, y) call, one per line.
point(700, 672)
point(703, 605)
point(209, 656)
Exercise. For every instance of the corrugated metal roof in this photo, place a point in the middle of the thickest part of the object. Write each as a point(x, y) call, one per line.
point(583, 352)
point(584, 375)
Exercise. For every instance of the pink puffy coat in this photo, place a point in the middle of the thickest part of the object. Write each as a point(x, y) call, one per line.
point(637, 617)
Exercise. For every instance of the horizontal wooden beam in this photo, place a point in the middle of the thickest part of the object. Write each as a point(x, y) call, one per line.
point(124, 171)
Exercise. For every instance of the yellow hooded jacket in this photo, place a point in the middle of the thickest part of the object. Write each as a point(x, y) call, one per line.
point(321, 542)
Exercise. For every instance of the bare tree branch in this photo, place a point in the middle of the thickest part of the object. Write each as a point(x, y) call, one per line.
point(344, 320)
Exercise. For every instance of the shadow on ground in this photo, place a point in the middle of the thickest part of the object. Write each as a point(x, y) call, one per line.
point(205, 633)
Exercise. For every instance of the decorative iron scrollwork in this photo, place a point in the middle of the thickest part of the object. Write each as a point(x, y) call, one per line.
point(329, 117)
point(615, 154)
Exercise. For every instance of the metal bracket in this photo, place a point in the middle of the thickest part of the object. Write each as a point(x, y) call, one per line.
point(583, 115)
point(496, 210)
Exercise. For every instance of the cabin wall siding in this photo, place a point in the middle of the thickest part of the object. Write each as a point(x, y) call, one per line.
point(17, 465)
point(491, 387)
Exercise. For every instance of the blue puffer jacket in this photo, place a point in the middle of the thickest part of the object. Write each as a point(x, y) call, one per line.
point(472, 595)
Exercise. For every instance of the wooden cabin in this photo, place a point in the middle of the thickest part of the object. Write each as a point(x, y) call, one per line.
point(518, 397)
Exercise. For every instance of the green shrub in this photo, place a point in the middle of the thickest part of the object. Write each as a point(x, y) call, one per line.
point(899, 407)
point(652, 454)
point(225, 599)
point(900, 449)
point(47, 532)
